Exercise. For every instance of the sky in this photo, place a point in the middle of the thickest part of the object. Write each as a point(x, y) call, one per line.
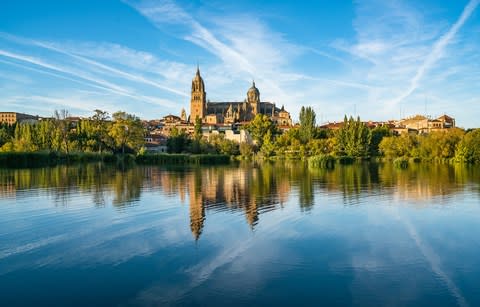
point(377, 59)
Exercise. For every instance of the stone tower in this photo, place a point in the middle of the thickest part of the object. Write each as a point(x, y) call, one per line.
point(198, 98)
point(253, 99)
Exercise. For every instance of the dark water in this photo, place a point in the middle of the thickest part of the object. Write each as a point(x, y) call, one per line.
point(278, 234)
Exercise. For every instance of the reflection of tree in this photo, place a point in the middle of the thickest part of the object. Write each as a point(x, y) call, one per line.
point(251, 189)
point(127, 186)
point(63, 181)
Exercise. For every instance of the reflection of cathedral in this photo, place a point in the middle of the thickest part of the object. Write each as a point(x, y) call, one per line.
point(231, 189)
point(232, 112)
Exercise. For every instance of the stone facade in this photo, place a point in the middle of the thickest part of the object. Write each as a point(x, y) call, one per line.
point(231, 112)
point(423, 124)
point(13, 117)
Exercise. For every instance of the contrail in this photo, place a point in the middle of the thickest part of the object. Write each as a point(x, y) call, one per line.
point(437, 51)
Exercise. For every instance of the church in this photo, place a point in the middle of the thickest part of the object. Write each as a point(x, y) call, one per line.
point(232, 112)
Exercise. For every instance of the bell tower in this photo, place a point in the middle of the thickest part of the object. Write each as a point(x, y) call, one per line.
point(253, 99)
point(198, 98)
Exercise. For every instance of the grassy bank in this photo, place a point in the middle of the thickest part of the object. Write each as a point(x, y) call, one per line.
point(40, 159)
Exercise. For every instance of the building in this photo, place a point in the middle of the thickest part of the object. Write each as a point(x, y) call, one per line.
point(231, 112)
point(14, 117)
point(423, 124)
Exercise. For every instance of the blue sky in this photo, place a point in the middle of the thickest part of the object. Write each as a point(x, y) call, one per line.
point(378, 59)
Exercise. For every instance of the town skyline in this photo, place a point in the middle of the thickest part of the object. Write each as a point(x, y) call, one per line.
point(377, 60)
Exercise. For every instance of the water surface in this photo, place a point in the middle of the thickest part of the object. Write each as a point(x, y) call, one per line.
point(249, 234)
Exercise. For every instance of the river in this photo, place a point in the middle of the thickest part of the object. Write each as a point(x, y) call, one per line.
point(261, 234)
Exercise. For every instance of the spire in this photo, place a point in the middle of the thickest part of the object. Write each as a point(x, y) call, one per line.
point(198, 69)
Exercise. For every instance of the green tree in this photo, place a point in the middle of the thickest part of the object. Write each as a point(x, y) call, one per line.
point(468, 149)
point(378, 133)
point(353, 138)
point(246, 150)
point(100, 129)
point(5, 136)
point(268, 148)
point(62, 125)
point(397, 146)
point(198, 129)
point(259, 127)
point(127, 131)
point(307, 124)
point(178, 141)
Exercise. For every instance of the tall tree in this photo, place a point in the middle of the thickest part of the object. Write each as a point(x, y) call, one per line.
point(307, 124)
point(62, 125)
point(259, 127)
point(127, 130)
point(353, 138)
point(198, 129)
point(99, 120)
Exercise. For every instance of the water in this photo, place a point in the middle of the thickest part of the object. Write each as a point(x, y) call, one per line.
point(235, 235)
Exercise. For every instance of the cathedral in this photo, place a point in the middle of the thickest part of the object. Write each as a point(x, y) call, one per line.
point(233, 111)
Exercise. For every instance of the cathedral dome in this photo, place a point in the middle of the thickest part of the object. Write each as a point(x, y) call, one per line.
point(253, 90)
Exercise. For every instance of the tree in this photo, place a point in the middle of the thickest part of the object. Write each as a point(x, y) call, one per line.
point(246, 150)
point(353, 138)
point(101, 136)
point(307, 124)
point(268, 148)
point(62, 125)
point(468, 149)
point(378, 133)
point(259, 126)
point(198, 129)
point(4, 135)
point(178, 141)
point(127, 130)
point(397, 146)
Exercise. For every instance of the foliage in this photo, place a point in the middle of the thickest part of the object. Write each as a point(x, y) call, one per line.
point(378, 133)
point(439, 146)
point(198, 129)
point(468, 149)
point(397, 146)
point(268, 148)
point(259, 127)
point(353, 138)
point(127, 131)
point(246, 150)
point(178, 141)
point(307, 124)
point(226, 147)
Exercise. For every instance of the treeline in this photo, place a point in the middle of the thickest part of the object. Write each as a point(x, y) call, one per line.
point(61, 134)
point(354, 140)
point(124, 133)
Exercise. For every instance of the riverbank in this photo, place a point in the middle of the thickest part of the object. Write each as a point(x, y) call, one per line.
point(40, 159)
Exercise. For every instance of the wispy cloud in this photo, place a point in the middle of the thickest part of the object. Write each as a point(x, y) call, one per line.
point(244, 46)
point(87, 76)
point(437, 51)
